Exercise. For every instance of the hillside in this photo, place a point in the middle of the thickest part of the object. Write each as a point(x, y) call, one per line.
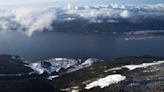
point(126, 74)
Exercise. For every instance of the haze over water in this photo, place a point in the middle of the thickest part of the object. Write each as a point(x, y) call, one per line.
point(74, 45)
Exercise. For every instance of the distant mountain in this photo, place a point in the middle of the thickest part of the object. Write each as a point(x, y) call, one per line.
point(109, 25)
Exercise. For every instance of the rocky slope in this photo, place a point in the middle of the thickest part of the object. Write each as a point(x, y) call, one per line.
point(127, 74)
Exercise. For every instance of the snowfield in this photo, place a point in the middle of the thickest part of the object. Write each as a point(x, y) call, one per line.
point(72, 65)
point(86, 63)
point(37, 68)
point(133, 67)
point(144, 65)
point(56, 64)
point(53, 65)
point(104, 82)
point(52, 77)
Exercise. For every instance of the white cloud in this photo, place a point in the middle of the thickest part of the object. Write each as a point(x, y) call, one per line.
point(34, 19)
point(70, 7)
point(152, 7)
point(4, 25)
point(28, 20)
point(14, 2)
point(89, 12)
point(118, 6)
point(125, 14)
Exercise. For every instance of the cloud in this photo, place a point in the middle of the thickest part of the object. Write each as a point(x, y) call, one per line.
point(115, 10)
point(4, 25)
point(30, 20)
point(15, 2)
point(153, 7)
point(27, 20)
point(34, 19)
point(90, 11)
point(70, 7)
point(125, 14)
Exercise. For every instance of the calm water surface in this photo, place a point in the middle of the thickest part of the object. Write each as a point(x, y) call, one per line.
point(72, 45)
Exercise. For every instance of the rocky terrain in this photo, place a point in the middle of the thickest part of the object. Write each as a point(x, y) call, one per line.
point(126, 74)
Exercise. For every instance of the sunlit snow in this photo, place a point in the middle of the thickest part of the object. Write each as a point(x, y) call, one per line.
point(104, 82)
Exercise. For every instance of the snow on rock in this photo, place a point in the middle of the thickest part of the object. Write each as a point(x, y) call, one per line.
point(89, 62)
point(59, 63)
point(37, 68)
point(53, 65)
point(113, 69)
point(75, 91)
point(52, 77)
point(71, 89)
point(104, 82)
point(85, 64)
point(144, 65)
point(56, 64)
point(14, 57)
point(133, 67)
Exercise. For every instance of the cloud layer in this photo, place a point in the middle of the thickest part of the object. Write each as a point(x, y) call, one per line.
point(29, 20)
point(15, 2)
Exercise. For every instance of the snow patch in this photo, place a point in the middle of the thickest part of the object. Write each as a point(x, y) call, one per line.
point(133, 67)
point(71, 89)
point(104, 82)
point(86, 63)
point(144, 65)
point(113, 69)
point(37, 68)
point(52, 77)
point(75, 91)
point(56, 64)
point(89, 62)
point(53, 65)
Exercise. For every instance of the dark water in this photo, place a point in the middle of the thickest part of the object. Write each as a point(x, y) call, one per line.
point(70, 45)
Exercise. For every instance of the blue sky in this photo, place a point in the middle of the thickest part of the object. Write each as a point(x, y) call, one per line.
point(132, 1)
point(75, 2)
point(114, 1)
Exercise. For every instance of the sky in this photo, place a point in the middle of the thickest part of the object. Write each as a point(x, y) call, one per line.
point(75, 2)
